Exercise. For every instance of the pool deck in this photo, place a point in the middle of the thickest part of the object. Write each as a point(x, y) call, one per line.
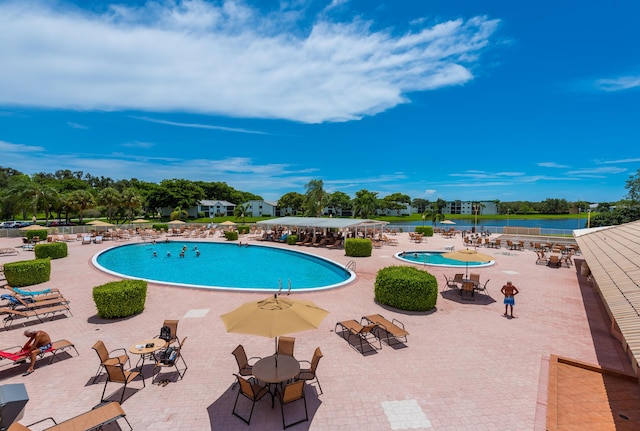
point(465, 366)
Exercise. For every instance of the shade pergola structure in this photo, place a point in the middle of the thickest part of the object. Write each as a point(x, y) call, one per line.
point(325, 223)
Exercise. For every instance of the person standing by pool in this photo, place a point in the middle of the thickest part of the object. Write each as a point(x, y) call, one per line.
point(509, 291)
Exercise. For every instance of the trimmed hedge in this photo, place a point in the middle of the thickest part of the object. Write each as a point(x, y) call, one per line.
point(27, 272)
point(120, 298)
point(406, 288)
point(158, 226)
point(243, 228)
point(358, 247)
point(231, 235)
point(54, 250)
point(425, 230)
point(42, 234)
point(292, 239)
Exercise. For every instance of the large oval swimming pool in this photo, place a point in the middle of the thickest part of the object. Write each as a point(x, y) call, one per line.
point(223, 266)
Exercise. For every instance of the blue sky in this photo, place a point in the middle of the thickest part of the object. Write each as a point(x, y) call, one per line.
point(470, 100)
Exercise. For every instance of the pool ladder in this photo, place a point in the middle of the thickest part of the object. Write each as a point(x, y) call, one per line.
point(280, 286)
point(351, 265)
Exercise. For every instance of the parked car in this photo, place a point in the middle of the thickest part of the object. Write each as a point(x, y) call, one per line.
point(8, 224)
point(55, 223)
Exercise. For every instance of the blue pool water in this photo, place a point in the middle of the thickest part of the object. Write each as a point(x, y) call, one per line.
point(223, 266)
point(435, 258)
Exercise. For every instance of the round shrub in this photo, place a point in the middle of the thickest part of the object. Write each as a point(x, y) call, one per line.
point(406, 288)
point(27, 272)
point(54, 250)
point(231, 235)
point(292, 239)
point(120, 298)
point(358, 247)
point(243, 228)
point(425, 230)
point(158, 226)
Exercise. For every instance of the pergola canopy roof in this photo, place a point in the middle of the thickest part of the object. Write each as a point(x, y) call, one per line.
point(323, 222)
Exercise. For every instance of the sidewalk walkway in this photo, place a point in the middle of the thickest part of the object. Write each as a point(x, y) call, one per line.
point(465, 366)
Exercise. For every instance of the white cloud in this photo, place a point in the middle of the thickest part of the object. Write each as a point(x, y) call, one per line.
point(631, 160)
point(76, 125)
point(199, 126)
point(8, 147)
point(139, 144)
point(618, 84)
point(225, 58)
point(551, 165)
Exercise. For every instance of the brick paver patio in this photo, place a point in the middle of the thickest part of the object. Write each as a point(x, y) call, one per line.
point(465, 366)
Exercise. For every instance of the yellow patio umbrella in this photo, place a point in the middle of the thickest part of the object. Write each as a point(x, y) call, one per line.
point(34, 227)
point(100, 223)
point(227, 223)
point(467, 256)
point(274, 316)
point(140, 220)
point(176, 222)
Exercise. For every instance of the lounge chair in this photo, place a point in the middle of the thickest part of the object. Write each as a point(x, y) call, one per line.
point(364, 333)
point(20, 356)
point(24, 304)
point(8, 251)
point(91, 420)
point(38, 313)
point(336, 244)
point(86, 239)
point(393, 328)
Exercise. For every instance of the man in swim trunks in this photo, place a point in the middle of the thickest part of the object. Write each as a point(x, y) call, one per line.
point(509, 291)
point(38, 342)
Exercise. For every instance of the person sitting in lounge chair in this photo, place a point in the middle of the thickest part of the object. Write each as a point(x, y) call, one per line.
point(39, 342)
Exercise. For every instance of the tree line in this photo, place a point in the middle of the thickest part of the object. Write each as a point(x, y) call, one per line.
point(67, 194)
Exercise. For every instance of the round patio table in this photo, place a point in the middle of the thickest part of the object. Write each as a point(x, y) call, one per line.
point(140, 348)
point(266, 371)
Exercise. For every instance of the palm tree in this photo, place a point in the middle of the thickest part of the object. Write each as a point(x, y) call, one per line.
point(131, 201)
point(109, 198)
point(365, 203)
point(241, 211)
point(80, 201)
point(315, 198)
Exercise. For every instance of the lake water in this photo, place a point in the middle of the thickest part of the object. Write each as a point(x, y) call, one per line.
point(547, 226)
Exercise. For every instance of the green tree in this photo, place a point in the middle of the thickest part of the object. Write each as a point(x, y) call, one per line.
point(292, 200)
point(131, 201)
point(420, 205)
point(110, 199)
point(339, 201)
point(633, 189)
point(365, 203)
point(80, 201)
point(396, 202)
point(315, 198)
point(242, 211)
point(181, 193)
point(434, 212)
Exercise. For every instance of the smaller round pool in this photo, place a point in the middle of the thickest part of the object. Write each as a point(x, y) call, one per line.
point(435, 258)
